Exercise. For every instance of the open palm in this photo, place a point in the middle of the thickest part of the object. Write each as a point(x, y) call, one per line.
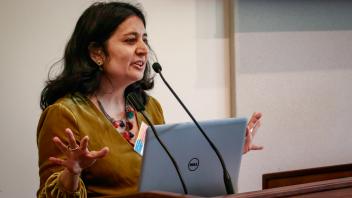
point(78, 157)
point(252, 127)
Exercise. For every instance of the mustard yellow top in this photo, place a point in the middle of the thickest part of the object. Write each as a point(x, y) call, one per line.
point(116, 174)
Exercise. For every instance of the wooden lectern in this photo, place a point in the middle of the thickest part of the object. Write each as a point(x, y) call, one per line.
point(330, 182)
point(330, 189)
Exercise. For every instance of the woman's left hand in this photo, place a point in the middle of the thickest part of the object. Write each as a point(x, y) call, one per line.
point(252, 127)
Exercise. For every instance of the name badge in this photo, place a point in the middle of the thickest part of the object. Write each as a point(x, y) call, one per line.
point(139, 144)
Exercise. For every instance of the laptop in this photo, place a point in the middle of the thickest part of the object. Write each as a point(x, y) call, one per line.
point(198, 163)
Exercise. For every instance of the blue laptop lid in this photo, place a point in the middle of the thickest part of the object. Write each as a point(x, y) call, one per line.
point(198, 163)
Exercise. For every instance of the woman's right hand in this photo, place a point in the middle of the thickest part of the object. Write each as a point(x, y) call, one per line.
point(78, 157)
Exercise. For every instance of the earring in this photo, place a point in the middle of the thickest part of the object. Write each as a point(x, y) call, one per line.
point(99, 62)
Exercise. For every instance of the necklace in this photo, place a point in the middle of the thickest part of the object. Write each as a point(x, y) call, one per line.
point(123, 126)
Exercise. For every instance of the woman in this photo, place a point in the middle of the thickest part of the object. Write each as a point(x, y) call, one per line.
point(105, 59)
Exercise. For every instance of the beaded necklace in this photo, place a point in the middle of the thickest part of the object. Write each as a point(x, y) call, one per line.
point(123, 126)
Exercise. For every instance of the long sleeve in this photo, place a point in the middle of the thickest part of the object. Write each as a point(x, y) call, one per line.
point(52, 188)
point(53, 122)
point(115, 174)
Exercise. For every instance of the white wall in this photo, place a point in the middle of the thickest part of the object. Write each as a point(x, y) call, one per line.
point(187, 35)
point(189, 38)
point(294, 64)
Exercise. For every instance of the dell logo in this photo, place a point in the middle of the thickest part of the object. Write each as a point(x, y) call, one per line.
point(193, 164)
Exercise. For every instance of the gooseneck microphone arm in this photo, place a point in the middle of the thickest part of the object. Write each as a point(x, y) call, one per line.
point(132, 98)
point(227, 179)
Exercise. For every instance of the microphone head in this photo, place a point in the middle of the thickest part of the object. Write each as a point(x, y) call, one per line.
point(157, 67)
point(134, 100)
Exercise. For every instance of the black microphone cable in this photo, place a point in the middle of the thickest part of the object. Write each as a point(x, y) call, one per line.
point(227, 179)
point(132, 98)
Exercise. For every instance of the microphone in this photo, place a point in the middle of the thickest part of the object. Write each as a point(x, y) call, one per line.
point(227, 179)
point(133, 99)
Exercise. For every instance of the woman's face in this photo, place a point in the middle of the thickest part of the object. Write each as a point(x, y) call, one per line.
point(127, 52)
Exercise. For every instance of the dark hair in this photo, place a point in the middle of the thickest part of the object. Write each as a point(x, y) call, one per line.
point(80, 73)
